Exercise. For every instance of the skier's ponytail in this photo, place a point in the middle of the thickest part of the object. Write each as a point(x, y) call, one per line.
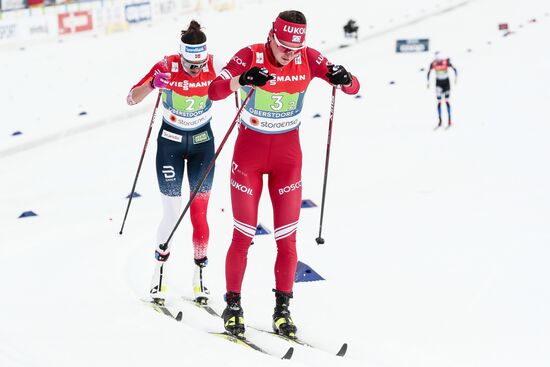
point(193, 34)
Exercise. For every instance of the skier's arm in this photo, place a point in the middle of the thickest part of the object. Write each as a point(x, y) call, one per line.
point(429, 72)
point(319, 67)
point(144, 86)
point(454, 69)
point(228, 80)
point(428, 75)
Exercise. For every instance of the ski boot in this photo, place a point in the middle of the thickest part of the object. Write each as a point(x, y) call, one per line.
point(233, 320)
point(158, 289)
point(282, 323)
point(199, 289)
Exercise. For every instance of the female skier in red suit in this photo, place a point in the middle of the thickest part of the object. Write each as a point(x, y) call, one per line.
point(268, 143)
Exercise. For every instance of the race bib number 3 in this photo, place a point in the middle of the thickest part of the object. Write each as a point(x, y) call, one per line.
point(277, 102)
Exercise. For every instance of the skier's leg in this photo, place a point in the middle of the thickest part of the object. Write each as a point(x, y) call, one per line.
point(201, 153)
point(448, 110)
point(286, 195)
point(446, 94)
point(170, 167)
point(201, 230)
point(171, 207)
point(246, 187)
point(170, 170)
point(439, 110)
point(245, 196)
point(285, 188)
point(439, 93)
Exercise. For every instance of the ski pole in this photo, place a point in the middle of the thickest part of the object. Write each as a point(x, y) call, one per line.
point(140, 162)
point(209, 168)
point(320, 240)
point(236, 100)
point(237, 108)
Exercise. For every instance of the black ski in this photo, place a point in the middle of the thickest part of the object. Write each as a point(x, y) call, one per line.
point(163, 310)
point(341, 352)
point(240, 341)
point(247, 343)
point(204, 306)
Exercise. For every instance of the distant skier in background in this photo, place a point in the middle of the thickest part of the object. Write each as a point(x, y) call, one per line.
point(351, 29)
point(185, 135)
point(268, 143)
point(442, 84)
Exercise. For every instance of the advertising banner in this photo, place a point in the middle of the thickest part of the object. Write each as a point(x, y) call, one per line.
point(6, 5)
point(75, 22)
point(138, 12)
point(8, 30)
point(412, 45)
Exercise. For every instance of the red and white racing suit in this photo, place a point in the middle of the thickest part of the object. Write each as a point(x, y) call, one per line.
point(268, 143)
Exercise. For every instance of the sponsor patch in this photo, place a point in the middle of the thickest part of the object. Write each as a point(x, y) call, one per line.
point(235, 169)
point(289, 188)
point(195, 49)
point(201, 138)
point(169, 173)
point(239, 61)
point(241, 188)
point(171, 136)
point(175, 67)
point(298, 60)
point(260, 57)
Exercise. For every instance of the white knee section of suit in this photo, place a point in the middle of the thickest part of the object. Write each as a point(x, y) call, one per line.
point(171, 206)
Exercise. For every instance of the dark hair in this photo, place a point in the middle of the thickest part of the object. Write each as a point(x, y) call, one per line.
point(293, 16)
point(193, 34)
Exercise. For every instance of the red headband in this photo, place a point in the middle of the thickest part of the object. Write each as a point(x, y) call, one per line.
point(289, 32)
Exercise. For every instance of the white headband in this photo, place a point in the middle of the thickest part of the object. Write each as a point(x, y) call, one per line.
point(193, 52)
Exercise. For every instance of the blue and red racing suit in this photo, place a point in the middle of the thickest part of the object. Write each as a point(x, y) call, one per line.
point(185, 136)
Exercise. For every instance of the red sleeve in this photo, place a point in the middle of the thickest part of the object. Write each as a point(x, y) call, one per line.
point(219, 88)
point(318, 65)
point(159, 67)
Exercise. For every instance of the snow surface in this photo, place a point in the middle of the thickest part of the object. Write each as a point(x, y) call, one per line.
point(437, 242)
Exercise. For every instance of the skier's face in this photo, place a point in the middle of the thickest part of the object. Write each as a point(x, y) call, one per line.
point(283, 51)
point(193, 68)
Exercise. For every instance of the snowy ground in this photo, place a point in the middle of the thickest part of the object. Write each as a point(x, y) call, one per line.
point(436, 247)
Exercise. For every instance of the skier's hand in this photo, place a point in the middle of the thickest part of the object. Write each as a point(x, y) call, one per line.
point(255, 76)
point(161, 80)
point(338, 75)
